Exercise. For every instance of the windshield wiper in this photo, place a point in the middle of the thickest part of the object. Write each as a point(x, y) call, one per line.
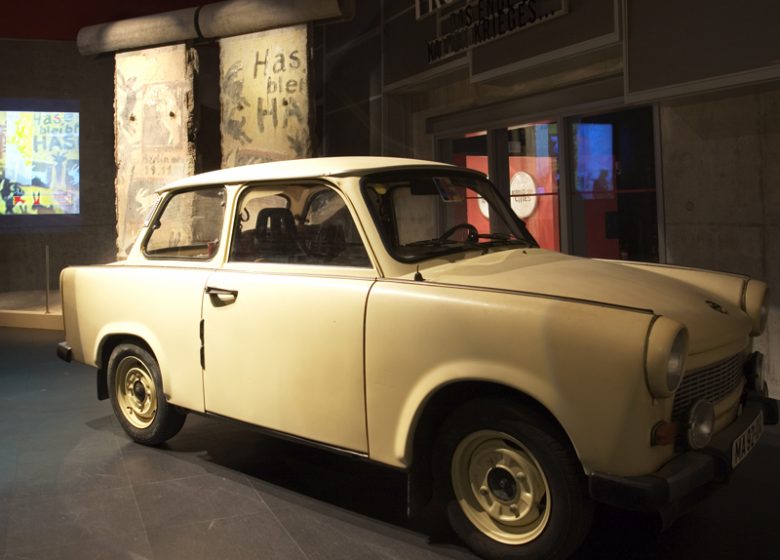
point(497, 236)
point(436, 242)
point(498, 239)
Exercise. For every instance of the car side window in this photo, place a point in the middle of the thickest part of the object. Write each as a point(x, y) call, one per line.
point(189, 227)
point(330, 231)
point(305, 224)
point(254, 210)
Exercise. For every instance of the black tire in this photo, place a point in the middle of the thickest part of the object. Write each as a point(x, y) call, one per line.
point(528, 477)
point(136, 393)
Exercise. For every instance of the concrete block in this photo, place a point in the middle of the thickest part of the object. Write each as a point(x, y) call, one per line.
point(154, 96)
point(728, 248)
point(264, 81)
point(712, 162)
point(770, 118)
point(772, 351)
point(773, 324)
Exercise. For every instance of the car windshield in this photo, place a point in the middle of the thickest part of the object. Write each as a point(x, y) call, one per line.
point(427, 214)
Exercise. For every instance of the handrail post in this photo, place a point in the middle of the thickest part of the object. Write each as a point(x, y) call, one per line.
point(47, 280)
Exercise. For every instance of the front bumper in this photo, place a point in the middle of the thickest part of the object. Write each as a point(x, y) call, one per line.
point(64, 351)
point(685, 476)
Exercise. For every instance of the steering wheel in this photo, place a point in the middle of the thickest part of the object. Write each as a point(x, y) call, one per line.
point(472, 237)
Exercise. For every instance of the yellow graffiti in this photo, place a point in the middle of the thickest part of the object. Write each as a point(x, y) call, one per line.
point(22, 136)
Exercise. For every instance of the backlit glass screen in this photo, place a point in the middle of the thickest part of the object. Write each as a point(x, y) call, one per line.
point(39, 162)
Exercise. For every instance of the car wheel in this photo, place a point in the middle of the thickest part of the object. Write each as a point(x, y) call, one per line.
point(513, 487)
point(135, 388)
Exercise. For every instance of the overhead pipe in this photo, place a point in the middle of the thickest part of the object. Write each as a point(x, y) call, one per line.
point(210, 21)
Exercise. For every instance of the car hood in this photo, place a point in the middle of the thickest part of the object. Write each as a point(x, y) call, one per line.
point(547, 273)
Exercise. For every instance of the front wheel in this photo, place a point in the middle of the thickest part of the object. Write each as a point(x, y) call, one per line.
point(135, 389)
point(513, 487)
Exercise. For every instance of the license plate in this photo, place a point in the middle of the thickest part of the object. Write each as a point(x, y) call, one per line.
point(747, 440)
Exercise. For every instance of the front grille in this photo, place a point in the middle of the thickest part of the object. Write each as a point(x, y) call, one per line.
point(711, 383)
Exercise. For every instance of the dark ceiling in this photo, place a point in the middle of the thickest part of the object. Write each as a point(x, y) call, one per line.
point(60, 20)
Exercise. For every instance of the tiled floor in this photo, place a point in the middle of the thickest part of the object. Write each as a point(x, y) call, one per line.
point(73, 486)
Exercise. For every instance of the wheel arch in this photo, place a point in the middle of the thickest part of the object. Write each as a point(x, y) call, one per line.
point(440, 404)
point(104, 350)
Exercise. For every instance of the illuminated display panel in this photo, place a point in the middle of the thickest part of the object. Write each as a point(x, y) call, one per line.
point(39, 158)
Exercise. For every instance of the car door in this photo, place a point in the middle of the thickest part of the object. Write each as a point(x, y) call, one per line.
point(283, 319)
point(159, 297)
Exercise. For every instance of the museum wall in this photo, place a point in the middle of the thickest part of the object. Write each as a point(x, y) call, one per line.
point(349, 88)
point(55, 70)
point(721, 181)
point(674, 47)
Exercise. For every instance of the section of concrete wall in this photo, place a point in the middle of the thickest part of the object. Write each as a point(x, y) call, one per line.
point(55, 70)
point(721, 180)
point(154, 105)
point(264, 96)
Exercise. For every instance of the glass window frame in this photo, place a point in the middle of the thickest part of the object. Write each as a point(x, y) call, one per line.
point(540, 198)
point(463, 124)
point(389, 244)
point(159, 210)
point(312, 184)
point(655, 127)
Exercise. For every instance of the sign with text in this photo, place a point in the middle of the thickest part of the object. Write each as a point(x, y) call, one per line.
point(466, 24)
point(429, 7)
point(265, 96)
point(39, 162)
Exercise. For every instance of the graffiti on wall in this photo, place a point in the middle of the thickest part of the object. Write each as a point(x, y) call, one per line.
point(39, 162)
point(265, 96)
point(153, 108)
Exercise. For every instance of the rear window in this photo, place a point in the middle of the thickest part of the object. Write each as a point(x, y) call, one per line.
point(189, 226)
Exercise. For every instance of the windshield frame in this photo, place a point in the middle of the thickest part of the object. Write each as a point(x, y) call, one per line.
point(495, 200)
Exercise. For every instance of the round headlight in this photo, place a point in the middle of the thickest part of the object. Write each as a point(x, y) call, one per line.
point(701, 423)
point(755, 302)
point(676, 364)
point(667, 350)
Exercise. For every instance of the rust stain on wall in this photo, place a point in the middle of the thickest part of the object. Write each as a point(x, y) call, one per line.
point(153, 109)
point(265, 96)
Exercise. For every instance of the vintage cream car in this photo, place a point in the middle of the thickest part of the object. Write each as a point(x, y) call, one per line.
point(369, 306)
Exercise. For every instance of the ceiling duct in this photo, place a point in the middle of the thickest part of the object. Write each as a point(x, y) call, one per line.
point(211, 21)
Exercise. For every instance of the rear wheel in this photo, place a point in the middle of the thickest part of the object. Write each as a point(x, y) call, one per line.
point(135, 389)
point(513, 486)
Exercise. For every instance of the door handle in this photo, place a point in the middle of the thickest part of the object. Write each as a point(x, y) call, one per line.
point(220, 296)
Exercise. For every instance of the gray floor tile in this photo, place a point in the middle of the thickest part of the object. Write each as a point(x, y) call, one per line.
point(8, 461)
point(328, 533)
point(195, 499)
point(72, 485)
point(114, 547)
point(56, 521)
point(145, 465)
point(245, 537)
point(65, 466)
point(4, 518)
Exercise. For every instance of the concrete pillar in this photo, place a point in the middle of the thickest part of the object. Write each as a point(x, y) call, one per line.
point(153, 117)
point(721, 181)
point(264, 81)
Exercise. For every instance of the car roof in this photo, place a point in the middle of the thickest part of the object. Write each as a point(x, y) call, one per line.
point(299, 169)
